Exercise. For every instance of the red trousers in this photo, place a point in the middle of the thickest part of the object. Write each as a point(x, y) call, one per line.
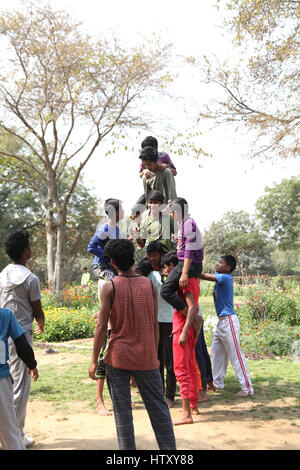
point(185, 367)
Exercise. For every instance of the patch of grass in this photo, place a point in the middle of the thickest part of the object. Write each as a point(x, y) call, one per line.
point(207, 305)
point(273, 380)
point(65, 383)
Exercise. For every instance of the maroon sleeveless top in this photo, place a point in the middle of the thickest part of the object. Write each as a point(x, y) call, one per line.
point(132, 340)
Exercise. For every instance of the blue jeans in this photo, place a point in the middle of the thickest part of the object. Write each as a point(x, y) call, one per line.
point(150, 387)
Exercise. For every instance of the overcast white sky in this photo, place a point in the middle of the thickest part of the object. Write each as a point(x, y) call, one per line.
point(225, 182)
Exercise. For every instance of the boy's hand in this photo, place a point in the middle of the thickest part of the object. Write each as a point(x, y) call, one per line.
point(147, 173)
point(95, 316)
point(182, 338)
point(92, 371)
point(40, 328)
point(134, 233)
point(35, 374)
point(183, 281)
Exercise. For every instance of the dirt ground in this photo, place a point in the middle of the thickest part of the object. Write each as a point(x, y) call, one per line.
point(221, 425)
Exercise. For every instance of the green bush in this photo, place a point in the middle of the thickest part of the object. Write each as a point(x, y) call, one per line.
point(272, 302)
point(206, 288)
point(64, 324)
point(73, 296)
point(268, 337)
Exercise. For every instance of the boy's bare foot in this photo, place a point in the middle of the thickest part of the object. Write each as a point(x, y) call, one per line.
point(169, 402)
point(195, 411)
point(202, 396)
point(242, 394)
point(132, 382)
point(183, 420)
point(102, 410)
point(210, 387)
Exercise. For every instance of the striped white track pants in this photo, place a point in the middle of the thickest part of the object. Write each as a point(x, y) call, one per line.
point(225, 347)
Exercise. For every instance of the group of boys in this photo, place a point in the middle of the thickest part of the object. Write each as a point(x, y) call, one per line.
point(182, 350)
point(179, 322)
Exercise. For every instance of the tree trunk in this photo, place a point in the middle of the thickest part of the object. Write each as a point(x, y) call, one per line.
point(50, 236)
point(60, 251)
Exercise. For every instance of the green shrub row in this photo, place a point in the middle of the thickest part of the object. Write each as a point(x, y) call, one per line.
point(65, 324)
point(273, 303)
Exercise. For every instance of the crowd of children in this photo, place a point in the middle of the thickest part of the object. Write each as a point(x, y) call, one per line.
point(149, 328)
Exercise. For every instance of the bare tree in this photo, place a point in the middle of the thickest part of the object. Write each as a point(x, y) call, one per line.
point(61, 94)
point(261, 91)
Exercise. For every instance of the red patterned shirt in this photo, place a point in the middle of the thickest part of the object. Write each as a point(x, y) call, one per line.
point(132, 339)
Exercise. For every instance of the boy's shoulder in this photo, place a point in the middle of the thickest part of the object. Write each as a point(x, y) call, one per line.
point(223, 278)
point(5, 313)
point(156, 277)
point(188, 223)
point(102, 228)
point(105, 231)
point(32, 277)
point(15, 275)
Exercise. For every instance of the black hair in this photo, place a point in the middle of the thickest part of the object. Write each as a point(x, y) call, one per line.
point(145, 266)
point(156, 195)
point(179, 204)
point(150, 142)
point(121, 251)
point(155, 245)
point(230, 261)
point(109, 203)
point(15, 243)
point(168, 258)
point(149, 154)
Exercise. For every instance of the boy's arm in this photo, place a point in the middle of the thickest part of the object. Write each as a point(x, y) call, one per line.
point(170, 164)
point(184, 278)
point(190, 317)
point(208, 277)
point(95, 248)
point(39, 315)
point(141, 235)
point(172, 168)
point(23, 348)
point(26, 354)
point(156, 325)
point(106, 295)
point(171, 186)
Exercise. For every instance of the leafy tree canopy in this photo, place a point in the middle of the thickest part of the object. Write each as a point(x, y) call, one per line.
point(279, 211)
